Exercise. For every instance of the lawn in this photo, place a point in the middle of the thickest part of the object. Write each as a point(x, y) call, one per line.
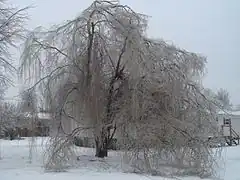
point(15, 165)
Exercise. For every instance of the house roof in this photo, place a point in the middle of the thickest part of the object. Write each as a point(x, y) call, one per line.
point(40, 115)
point(232, 113)
point(44, 118)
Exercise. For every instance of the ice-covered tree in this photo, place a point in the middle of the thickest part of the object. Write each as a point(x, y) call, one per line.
point(11, 31)
point(101, 71)
point(10, 119)
point(223, 98)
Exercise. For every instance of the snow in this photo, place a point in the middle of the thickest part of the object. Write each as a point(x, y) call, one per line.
point(40, 115)
point(231, 113)
point(15, 165)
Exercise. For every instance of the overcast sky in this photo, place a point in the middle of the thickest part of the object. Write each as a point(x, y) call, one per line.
point(210, 27)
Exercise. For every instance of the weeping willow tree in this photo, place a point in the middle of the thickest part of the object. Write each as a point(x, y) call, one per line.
point(101, 73)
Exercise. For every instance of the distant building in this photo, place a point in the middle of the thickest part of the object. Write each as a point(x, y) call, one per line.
point(234, 117)
point(40, 126)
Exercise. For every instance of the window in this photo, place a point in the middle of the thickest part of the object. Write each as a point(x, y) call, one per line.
point(226, 121)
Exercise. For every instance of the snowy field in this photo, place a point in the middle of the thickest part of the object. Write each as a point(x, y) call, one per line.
point(15, 165)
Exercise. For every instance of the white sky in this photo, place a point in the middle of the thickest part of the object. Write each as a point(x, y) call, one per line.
point(210, 27)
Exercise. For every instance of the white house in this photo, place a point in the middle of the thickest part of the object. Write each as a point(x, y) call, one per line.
point(234, 117)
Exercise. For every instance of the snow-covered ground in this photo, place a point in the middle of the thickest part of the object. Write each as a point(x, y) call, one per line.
point(15, 165)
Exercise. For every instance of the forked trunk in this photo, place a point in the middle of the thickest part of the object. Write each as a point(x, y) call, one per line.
point(101, 152)
point(101, 149)
point(103, 143)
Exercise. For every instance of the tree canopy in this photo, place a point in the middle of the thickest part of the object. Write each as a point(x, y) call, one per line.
point(101, 71)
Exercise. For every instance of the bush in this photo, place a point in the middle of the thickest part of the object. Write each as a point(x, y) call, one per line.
point(77, 141)
point(11, 133)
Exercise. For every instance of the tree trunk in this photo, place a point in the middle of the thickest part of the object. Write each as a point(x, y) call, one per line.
point(11, 137)
point(101, 149)
point(11, 134)
point(101, 152)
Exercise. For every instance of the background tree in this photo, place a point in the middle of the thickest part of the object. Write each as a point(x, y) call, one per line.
point(223, 98)
point(11, 31)
point(10, 120)
point(237, 107)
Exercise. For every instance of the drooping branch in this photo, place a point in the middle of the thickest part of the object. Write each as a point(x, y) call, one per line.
point(11, 31)
point(100, 69)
